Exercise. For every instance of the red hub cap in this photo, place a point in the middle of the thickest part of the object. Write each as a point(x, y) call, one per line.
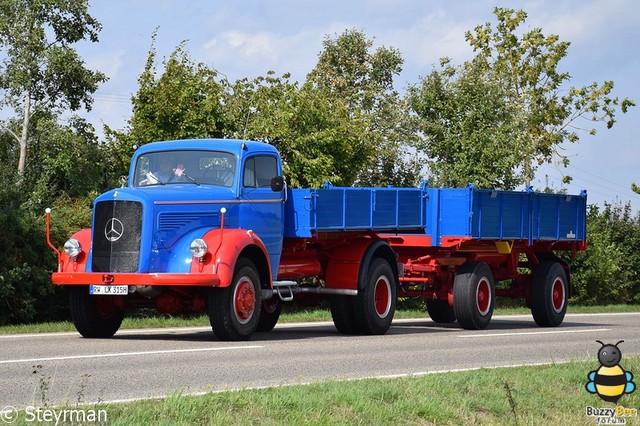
point(557, 295)
point(483, 297)
point(244, 300)
point(383, 297)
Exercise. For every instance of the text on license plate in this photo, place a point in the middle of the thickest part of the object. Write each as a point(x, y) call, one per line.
point(109, 290)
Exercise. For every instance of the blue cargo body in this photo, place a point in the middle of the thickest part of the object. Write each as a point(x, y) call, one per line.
point(438, 212)
point(484, 214)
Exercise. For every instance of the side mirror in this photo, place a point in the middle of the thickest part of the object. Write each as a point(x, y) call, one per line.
point(277, 184)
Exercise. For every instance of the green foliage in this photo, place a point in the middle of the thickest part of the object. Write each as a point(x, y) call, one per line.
point(607, 272)
point(66, 175)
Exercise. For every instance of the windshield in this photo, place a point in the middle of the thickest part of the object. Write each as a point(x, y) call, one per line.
point(179, 167)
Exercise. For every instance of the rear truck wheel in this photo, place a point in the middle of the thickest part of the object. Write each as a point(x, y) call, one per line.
point(375, 303)
point(473, 295)
point(234, 311)
point(549, 293)
point(94, 316)
point(343, 314)
point(270, 313)
point(440, 311)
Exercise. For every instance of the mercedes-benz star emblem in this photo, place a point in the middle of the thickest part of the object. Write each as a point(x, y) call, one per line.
point(113, 230)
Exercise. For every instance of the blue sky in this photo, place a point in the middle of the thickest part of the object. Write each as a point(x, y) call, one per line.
point(246, 38)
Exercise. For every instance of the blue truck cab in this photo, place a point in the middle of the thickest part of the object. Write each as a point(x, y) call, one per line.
point(162, 211)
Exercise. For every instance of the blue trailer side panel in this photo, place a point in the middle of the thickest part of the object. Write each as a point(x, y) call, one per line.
point(505, 215)
point(559, 217)
point(352, 209)
point(439, 212)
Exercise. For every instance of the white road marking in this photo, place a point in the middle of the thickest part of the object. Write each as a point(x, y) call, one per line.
point(591, 330)
point(113, 355)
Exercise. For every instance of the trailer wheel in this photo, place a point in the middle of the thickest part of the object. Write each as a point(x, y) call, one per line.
point(234, 311)
point(270, 314)
point(549, 294)
point(375, 303)
point(473, 295)
point(440, 311)
point(343, 314)
point(94, 316)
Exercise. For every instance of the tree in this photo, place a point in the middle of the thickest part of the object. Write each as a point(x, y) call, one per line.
point(353, 74)
point(543, 112)
point(318, 137)
point(42, 73)
point(468, 128)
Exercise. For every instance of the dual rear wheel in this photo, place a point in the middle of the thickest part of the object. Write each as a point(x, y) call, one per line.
point(474, 296)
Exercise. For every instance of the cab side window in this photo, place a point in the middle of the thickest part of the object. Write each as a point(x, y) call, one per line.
point(259, 170)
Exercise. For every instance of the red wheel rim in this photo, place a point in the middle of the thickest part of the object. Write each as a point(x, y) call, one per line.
point(557, 295)
point(244, 298)
point(483, 296)
point(382, 297)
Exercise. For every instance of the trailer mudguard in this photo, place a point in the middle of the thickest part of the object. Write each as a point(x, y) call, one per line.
point(225, 246)
point(349, 263)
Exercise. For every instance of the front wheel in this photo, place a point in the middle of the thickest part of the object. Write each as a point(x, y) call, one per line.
point(473, 295)
point(375, 303)
point(234, 311)
point(549, 293)
point(94, 316)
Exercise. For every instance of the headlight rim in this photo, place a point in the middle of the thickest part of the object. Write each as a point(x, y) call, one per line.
point(198, 248)
point(72, 248)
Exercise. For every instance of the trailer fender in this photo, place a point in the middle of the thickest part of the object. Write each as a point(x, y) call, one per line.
point(348, 264)
point(78, 264)
point(225, 247)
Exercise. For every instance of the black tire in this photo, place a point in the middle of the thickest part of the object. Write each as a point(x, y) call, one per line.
point(473, 295)
point(343, 314)
point(440, 311)
point(270, 314)
point(549, 293)
point(375, 303)
point(95, 317)
point(234, 311)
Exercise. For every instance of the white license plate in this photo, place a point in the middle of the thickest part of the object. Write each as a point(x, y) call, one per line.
point(109, 290)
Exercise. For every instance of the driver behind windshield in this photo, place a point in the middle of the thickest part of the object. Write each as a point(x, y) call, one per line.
point(166, 172)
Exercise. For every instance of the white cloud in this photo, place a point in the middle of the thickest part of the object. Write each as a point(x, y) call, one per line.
point(109, 62)
point(246, 54)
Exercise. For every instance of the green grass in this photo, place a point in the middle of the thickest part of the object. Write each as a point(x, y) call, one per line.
point(294, 315)
point(551, 394)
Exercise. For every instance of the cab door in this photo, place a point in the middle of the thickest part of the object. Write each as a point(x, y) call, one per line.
point(262, 209)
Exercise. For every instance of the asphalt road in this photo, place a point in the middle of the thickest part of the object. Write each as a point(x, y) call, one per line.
point(64, 367)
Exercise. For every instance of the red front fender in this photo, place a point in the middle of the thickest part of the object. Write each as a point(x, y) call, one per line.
point(79, 265)
point(224, 249)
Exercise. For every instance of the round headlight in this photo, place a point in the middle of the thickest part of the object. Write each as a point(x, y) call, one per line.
point(72, 247)
point(198, 247)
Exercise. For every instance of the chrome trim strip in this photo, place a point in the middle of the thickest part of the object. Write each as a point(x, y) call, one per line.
point(217, 202)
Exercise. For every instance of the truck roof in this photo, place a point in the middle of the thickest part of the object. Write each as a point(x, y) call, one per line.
point(230, 145)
